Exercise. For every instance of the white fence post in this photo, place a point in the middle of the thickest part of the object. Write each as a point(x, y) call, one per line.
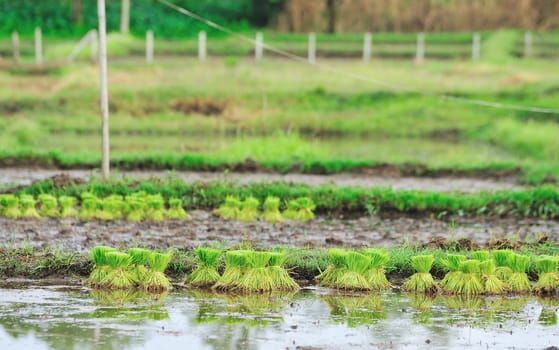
point(312, 48)
point(367, 46)
point(15, 43)
point(103, 88)
point(149, 47)
point(38, 46)
point(528, 44)
point(93, 45)
point(202, 46)
point(420, 51)
point(259, 47)
point(476, 47)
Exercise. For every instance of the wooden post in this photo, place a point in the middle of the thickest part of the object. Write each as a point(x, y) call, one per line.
point(125, 17)
point(93, 45)
point(149, 47)
point(202, 46)
point(420, 51)
point(38, 46)
point(528, 44)
point(103, 87)
point(367, 47)
point(312, 48)
point(476, 47)
point(259, 47)
point(15, 43)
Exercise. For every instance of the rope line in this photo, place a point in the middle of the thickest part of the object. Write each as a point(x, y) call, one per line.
point(300, 59)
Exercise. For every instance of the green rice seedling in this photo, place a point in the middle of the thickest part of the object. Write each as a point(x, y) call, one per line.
point(155, 207)
point(235, 264)
point(67, 209)
point(156, 281)
point(176, 211)
point(90, 204)
point(422, 281)
point(140, 260)
point(249, 210)
point(101, 267)
point(548, 279)
point(257, 276)
point(120, 276)
point(502, 259)
point(136, 205)
point(11, 206)
point(491, 283)
point(205, 274)
point(49, 205)
point(293, 207)
point(230, 209)
point(306, 208)
point(271, 210)
point(3, 203)
point(469, 282)
point(28, 210)
point(375, 274)
point(335, 269)
point(518, 280)
point(353, 277)
point(280, 277)
point(481, 255)
point(112, 208)
point(452, 278)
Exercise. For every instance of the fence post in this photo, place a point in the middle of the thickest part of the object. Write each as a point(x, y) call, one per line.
point(15, 43)
point(367, 46)
point(312, 48)
point(149, 47)
point(259, 47)
point(202, 46)
point(93, 45)
point(104, 98)
point(476, 47)
point(38, 46)
point(420, 51)
point(527, 44)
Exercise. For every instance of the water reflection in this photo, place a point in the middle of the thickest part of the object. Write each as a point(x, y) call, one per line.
point(355, 310)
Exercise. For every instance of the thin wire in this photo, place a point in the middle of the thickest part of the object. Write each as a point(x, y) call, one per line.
point(354, 76)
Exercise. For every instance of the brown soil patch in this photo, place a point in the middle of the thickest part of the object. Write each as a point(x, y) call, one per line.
point(199, 105)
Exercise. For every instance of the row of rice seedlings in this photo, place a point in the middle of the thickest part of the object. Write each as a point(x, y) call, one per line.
point(245, 271)
point(352, 270)
point(139, 268)
point(300, 209)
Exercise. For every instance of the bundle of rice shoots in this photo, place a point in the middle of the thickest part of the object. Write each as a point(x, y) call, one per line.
point(205, 274)
point(136, 205)
point(155, 207)
point(502, 259)
point(353, 277)
point(156, 281)
point(518, 280)
point(306, 208)
point(230, 209)
point(10, 203)
point(101, 267)
point(292, 210)
point(481, 255)
point(271, 210)
point(491, 283)
point(28, 210)
point(280, 277)
point(375, 274)
point(257, 276)
point(422, 281)
point(235, 263)
point(112, 207)
point(140, 260)
point(49, 205)
point(119, 276)
point(452, 278)
point(90, 204)
point(249, 210)
point(176, 211)
point(469, 282)
point(548, 280)
point(335, 269)
point(67, 209)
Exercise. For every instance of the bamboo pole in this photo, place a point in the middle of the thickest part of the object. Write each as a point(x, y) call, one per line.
point(103, 87)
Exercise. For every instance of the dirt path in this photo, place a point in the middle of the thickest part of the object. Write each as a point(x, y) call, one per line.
point(25, 176)
point(76, 236)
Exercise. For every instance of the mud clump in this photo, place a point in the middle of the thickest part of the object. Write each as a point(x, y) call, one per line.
point(197, 105)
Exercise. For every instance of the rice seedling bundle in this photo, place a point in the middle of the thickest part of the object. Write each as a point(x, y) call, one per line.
point(230, 208)
point(375, 274)
point(112, 207)
point(249, 210)
point(518, 280)
point(67, 204)
point(452, 278)
point(469, 282)
point(49, 205)
point(155, 207)
point(176, 211)
point(101, 267)
point(156, 281)
point(271, 210)
point(481, 255)
point(136, 204)
point(353, 277)
point(336, 268)
point(90, 204)
point(140, 260)
point(235, 264)
point(548, 279)
point(257, 276)
point(292, 210)
point(422, 281)
point(306, 207)
point(120, 275)
point(27, 203)
point(205, 274)
point(502, 259)
point(491, 283)
point(10, 204)
point(280, 277)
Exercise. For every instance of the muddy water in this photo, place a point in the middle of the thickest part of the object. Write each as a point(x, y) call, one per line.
point(55, 317)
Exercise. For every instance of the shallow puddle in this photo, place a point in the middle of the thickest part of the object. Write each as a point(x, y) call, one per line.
point(56, 317)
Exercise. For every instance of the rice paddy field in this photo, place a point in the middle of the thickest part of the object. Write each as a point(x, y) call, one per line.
point(281, 205)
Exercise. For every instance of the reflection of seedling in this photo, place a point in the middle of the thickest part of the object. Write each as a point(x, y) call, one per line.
point(205, 274)
point(119, 276)
point(518, 280)
point(67, 206)
point(235, 262)
point(10, 203)
point(491, 283)
point(156, 281)
point(502, 262)
point(356, 310)
point(375, 274)
point(49, 205)
point(176, 210)
point(548, 280)
point(27, 203)
point(155, 207)
point(422, 303)
point(249, 210)
point(280, 277)
point(548, 317)
point(101, 269)
point(230, 209)
point(257, 277)
point(451, 280)
point(422, 281)
point(271, 210)
point(337, 267)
